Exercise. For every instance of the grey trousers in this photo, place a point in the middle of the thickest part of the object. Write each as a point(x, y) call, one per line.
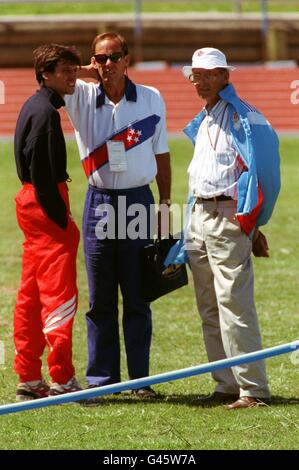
point(220, 258)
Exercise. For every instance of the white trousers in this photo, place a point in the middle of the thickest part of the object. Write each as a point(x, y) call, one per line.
point(220, 258)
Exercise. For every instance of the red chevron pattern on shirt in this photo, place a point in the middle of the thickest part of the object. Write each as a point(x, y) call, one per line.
point(134, 134)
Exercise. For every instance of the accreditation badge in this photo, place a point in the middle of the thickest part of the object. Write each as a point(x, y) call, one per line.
point(117, 156)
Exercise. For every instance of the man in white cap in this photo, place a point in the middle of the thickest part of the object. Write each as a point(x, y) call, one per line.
point(234, 181)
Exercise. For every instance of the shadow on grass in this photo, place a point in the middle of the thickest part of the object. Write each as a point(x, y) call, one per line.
point(186, 400)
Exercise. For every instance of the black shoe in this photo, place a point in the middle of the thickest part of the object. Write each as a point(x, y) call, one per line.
point(145, 393)
point(217, 398)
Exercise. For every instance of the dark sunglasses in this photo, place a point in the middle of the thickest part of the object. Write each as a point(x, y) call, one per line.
point(102, 58)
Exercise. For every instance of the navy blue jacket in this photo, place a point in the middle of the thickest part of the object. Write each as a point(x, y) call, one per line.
point(40, 151)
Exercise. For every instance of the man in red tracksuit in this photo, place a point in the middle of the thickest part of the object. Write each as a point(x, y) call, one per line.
point(47, 299)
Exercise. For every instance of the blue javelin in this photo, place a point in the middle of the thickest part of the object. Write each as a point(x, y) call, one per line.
point(151, 380)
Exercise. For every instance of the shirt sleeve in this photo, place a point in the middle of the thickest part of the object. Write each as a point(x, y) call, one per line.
point(42, 171)
point(76, 105)
point(160, 144)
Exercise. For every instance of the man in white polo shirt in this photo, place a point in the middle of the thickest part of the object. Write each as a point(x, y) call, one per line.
point(234, 181)
point(121, 134)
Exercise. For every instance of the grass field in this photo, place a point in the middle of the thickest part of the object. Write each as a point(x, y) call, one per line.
point(174, 421)
point(107, 6)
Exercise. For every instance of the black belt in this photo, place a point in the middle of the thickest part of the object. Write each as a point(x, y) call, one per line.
point(216, 198)
point(117, 192)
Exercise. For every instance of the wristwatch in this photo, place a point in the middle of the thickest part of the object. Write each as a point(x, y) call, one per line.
point(165, 201)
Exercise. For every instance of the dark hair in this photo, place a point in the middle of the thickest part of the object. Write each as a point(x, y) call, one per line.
point(47, 56)
point(110, 35)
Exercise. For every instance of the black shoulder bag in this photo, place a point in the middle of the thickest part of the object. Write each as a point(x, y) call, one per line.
point(158, 280)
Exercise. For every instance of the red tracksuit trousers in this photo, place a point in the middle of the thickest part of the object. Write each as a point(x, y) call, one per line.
point(47, 298)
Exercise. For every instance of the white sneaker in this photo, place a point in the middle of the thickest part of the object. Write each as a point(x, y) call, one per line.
point(71, 386)
point(32, 390)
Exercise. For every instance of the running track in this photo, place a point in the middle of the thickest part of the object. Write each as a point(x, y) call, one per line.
point(268, 90)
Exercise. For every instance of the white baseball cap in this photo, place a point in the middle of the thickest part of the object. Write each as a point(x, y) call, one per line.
point(207, 58)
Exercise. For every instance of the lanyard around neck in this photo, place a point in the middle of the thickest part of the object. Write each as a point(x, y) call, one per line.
point(218, 130)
